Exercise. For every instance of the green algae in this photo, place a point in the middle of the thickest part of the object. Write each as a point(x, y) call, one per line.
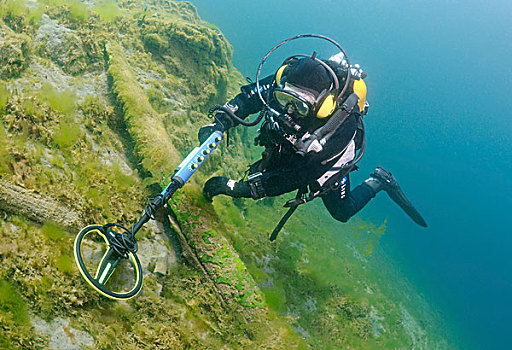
point(28, 118)
point(14, 8)
point(12, 304)
point(52, 231)
point(4, 96)
point(72, 10)
point(15, 320)
point(78, 11)
point(62, 101)
point(67, 134)
point(18, 16)
point(5, 154)
point(107, 10)
point(64, 264)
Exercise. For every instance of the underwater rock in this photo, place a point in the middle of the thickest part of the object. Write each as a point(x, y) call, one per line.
point(304, 333)
point(14, 52)
point(376, 321)
point(62, 45)
point(310, 305)
point(62, 335)
point(154, 253)
point(417, 335)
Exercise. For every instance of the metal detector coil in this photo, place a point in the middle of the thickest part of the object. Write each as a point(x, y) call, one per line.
point(106, 267)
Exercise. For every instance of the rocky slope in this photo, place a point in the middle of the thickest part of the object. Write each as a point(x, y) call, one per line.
point(99, 101)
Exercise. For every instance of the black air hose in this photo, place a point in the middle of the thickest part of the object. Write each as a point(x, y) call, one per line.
point(233, 116)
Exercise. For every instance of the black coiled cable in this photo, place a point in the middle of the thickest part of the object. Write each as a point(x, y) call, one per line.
point(153, 205)
point(121, 242)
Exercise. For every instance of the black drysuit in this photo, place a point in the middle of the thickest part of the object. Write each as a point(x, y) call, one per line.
point(283, 170)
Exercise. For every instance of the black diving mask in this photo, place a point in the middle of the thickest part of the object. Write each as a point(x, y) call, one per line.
point(301, 101)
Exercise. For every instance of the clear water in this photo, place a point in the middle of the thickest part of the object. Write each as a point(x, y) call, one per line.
point(439, 78)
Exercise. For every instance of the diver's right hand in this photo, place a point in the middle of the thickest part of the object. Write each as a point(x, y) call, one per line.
point(206, 130)
point(223, 185)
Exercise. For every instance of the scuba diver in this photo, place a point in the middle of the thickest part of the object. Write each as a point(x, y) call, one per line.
point(311, 135)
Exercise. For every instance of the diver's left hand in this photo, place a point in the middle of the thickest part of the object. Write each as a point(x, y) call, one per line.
point(206, 130)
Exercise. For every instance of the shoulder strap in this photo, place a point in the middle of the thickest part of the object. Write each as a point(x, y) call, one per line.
point(322, 134)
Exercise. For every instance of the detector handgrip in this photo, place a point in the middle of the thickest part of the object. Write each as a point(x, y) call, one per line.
point(193, 161)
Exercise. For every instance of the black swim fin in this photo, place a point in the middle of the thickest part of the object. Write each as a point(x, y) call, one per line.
point(390, 185)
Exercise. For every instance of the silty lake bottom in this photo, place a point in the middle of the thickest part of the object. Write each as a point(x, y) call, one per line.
point(438, 81)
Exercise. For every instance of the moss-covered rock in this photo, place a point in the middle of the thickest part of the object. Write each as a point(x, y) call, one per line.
point(62, 45)
point(14, 52)
point(29, 117)
point(99, 101)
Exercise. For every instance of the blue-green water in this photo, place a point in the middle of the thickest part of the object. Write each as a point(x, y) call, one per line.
point(439, 79)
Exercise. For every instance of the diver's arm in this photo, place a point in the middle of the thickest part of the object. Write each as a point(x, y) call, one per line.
point(248, 102)
point(244, 104)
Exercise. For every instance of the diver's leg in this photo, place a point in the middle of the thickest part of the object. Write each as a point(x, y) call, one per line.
point(381, 179)
point(343, 203)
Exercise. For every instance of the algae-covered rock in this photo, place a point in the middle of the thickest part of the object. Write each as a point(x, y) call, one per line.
point(30, 117)
point(62, 335)
point(74, 155)
point(99, 102)
point(14, 52)
point(227, 269)
point(62, 45)
point(145, 125)
point(195, 52)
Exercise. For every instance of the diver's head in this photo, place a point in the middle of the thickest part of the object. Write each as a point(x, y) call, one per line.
point(305, 88)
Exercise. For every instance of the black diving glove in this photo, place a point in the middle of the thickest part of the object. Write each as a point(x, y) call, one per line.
point(222, 123)
point(206, 130)
point(223, 185)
